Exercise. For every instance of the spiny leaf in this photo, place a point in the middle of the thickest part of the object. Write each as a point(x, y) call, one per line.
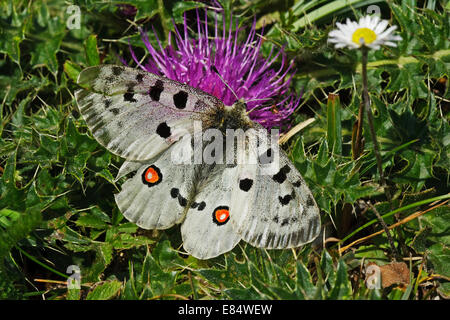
point(105, 291)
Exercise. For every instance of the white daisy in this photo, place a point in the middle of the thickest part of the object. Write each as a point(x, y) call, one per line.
point(369, 31)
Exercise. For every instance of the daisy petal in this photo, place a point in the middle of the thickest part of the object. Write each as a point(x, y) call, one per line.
point(369, 31)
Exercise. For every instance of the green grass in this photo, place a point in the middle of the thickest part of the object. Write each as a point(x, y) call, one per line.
point(57, 183)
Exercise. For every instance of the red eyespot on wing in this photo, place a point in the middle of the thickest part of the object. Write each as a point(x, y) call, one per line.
point(152, 176)
point(221, 215)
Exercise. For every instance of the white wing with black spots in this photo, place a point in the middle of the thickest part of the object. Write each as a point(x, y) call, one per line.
point(149, 120)
point(207, 230)
point(156, 196)
point(274, 210)
point(136, 114)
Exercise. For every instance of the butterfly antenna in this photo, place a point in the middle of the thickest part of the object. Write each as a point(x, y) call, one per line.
point(257, 107)
point(214, 69)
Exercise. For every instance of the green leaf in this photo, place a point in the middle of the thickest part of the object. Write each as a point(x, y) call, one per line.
point(331, 8)
point(73, 294)
point(180, 7)
point(305, 286)
point(7, 217)
point(326, 265)
point(93, 219)
point(13, 28)
point(342, 288)
point(105, 291)
point(44, 53)
point(18, 230)
point(92, 56)
point(168, 258)
point(72, 70)
point(334, 135)
point(146, 9)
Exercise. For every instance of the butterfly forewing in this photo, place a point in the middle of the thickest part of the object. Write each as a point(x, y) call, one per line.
point(136, 114)
point(273, 209)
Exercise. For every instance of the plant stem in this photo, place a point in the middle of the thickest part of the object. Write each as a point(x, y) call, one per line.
point(366, 102)
point(357, 146)
point(40, 263)
point(386, 230)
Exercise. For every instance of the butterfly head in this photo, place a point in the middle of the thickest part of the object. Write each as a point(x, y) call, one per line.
point(229, 117)
point(240, 105)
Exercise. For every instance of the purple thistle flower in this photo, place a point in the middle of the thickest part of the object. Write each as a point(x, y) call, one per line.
point(240, 65)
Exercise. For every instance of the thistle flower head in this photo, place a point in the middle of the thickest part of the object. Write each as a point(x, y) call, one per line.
point(369, 31)
point(240, 64)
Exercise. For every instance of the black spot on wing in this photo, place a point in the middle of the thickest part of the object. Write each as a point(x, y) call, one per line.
point(129, 96)
point(280, 177)
point(182, 201)
point(285, 200)
point(174, 192)
point(201, 206)
point(298, 183)
point(245, 184)
point(198, 205)
point(117, 70)
point(163, 130)
point(180, 99)
point(107, 103)
point(156, 89)
point(115, 111)
point(310, 201)
point(139, 77)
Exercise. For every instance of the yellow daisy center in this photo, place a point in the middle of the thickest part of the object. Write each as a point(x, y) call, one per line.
point(367, 35)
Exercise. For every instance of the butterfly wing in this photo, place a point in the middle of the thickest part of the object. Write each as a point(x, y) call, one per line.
point(207, 231)
point(273, 209)
point(152, 198)
point(136, 114)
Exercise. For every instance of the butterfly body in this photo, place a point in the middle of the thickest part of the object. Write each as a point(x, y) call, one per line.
point(189, 153)
point(228, 117)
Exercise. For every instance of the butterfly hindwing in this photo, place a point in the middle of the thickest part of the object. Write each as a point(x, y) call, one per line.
point(156, 196)
point(162, 194)
point(207, 230)
point(274, 209)
point(136, 114)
